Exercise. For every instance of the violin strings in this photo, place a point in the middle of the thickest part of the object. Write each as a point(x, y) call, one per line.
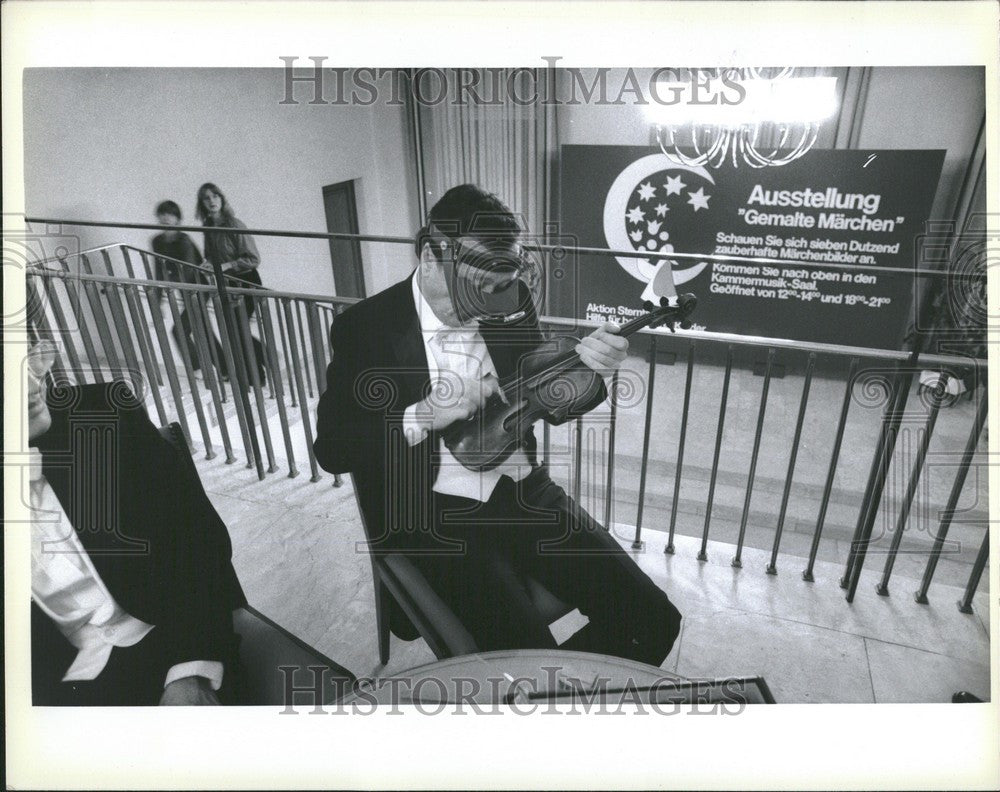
point(569, 359)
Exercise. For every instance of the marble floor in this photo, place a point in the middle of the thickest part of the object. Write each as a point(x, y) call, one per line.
point(297, 549)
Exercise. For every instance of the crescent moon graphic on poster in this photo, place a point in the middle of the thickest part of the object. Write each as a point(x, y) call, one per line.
point(615, 224)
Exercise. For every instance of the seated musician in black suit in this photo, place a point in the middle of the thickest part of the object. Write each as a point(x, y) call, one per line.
point(132, 585)
point(475, 535)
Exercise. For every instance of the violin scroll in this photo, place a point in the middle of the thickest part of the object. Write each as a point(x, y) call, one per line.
point(675, 313)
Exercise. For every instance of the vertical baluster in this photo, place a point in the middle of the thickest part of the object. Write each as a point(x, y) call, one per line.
point(324, 320)
point(151, 305)
point(143, 342)
point(578, 460)
point(168, 360)
point(147, 356)
point(284, 349)
point(212, 333)
point(65, 334)
point(73, 295)
point(869, 509)
point(911, 488)
point(330, 313)
point(201, 339)
point(145, 265)
point(274, 371)
point(260, 334)
point(238, 379)
point(546, 443)
point(125, 258)
point(609, 489)
point(38, 317)
point(737, 560)
point(594, 459)
point(142, 328)
point(243, 326)
point(772, 567)
point(297, 312)
point(965, 604)
point(322, 347)
point(303, 404)
point(122, 330)
point(877, 461)
point(680, 449)
point(103, 329)
point(193, 307)
point(124, 335)
point(191, 377)
point(703, 552)
point(316, 343)
point(807, 574)
point(646, 431)
point(956, 491)
point(316, 339)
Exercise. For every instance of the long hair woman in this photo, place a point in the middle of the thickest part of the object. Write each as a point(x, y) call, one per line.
point(235, 253)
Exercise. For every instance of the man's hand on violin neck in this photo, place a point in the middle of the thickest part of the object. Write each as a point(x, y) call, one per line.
point(455, 399)
point(603, 350)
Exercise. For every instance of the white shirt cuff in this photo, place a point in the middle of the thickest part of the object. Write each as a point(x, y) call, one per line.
point(415, 433)
point(209, 669)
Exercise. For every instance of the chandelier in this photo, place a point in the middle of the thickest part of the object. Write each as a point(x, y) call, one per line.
point(759, 117)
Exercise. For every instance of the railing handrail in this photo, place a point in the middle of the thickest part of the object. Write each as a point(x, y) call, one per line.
point(64, 256)
point(125, 246)
point(693, 335)
point(638, 254)
point(198, 267)
point(196, 287)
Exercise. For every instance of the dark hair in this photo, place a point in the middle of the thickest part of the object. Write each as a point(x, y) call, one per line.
point(199, 211)
point(170, 208)
point(469, 210)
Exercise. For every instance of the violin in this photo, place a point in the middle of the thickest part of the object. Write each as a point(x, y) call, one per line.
point(546, 385)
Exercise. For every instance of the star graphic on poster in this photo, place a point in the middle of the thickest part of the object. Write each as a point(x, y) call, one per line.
point(641, 214)
point(698, 199)
point(674, 185)
point(635, 215)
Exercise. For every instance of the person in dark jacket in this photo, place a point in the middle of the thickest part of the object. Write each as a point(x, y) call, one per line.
point(236, 254)
point(419, 356)
point(133, 587)
point(173, 250)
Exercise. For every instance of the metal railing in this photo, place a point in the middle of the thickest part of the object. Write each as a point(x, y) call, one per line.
point(110, 331)
point(110, 327)
point(895, 406)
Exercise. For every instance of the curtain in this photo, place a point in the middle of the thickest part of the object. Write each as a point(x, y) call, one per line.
point(498, 139)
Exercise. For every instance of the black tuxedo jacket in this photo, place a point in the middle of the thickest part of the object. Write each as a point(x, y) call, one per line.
point(141, 513)
point(379, 368)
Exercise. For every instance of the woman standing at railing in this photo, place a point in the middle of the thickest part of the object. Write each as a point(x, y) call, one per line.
point(236, 254)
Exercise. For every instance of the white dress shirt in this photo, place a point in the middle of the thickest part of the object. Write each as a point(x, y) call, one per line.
point(458, 351)
point(67, 587)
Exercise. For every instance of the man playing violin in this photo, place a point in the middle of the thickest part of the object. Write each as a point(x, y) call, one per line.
point(416, 362)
